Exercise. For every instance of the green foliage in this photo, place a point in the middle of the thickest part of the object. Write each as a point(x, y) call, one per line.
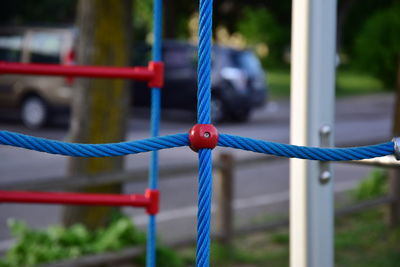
point(352, 15)
point(165, 257)
point(56, 243)
point(378, 45)
point(281, 238)
point(374, 186)
point(226, 256)
point(361, 240)
point(142, 18)
point(354, 83)
point(258, 25)
point(348, 83)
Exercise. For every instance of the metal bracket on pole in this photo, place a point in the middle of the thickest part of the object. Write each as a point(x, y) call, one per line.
point(325, 174)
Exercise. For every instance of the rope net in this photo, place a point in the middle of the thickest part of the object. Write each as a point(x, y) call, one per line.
point(156, 142)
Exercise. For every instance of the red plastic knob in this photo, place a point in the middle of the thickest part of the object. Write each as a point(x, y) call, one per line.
point(153, 195)
point(158, 77)
point(203, 136)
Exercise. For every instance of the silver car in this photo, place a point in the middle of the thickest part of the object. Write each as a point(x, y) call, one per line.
point(36, 97)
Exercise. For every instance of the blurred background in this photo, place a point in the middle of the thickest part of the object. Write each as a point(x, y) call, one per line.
point(250, 97)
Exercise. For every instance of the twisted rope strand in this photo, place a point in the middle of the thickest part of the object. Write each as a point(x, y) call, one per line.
point(204, 67)
point(92, 150)
point(312, 153)
point(203, 117)
point(178, 140)
point(204, 208)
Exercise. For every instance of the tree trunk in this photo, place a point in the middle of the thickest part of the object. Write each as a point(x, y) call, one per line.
point(393, 215)
point(99, 106)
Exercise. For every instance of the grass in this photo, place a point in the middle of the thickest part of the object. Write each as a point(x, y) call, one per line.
point(360, 240)
point(347, 83)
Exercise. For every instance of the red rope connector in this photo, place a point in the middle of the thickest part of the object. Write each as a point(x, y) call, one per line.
point(157, 68)
point(153, 195)
point(203, 136)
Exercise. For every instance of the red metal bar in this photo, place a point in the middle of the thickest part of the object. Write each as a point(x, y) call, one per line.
point(152, 73)
point(149, 200)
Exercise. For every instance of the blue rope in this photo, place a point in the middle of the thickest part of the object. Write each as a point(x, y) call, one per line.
point(153, 177)
point(313, 153)
point(155, 129)
point(92, 150)
point(178, 140)
point(204, 208)
point(203, 117)
point(204, 67)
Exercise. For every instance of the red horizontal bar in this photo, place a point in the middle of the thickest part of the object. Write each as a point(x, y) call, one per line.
point(149, 73)
point(75, 199)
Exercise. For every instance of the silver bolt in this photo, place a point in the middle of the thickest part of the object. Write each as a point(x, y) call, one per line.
point(325, 177)
point(207, 135)
point(325, 130)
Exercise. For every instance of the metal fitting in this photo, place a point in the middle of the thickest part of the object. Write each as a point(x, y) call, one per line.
point(325, 130)
point(203, 136)
point(153, 197)
point(396, 142)
point(325, 177)
point(157, 81)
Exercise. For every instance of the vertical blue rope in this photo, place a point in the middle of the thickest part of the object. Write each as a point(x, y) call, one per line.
point(204, 208)
point(155, 128)
point(204, 67)
point(203, 117)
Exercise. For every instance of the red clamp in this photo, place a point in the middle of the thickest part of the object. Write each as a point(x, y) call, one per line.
point(203, 136)
point(153, 206)
point(158, 74)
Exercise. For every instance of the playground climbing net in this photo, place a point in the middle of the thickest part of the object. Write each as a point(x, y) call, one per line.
point(202, 138)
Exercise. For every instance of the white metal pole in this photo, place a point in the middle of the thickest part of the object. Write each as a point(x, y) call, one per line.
point(312, 118)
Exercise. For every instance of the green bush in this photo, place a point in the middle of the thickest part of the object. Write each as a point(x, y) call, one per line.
point(377, 46)
point(259, 26)
point(57, 243)
point(374, 186)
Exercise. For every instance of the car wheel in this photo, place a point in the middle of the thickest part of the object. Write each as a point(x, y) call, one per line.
point(241, 116)
point(34, 112)
point(217, 109)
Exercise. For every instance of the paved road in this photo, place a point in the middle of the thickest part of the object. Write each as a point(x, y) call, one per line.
point(260, 192)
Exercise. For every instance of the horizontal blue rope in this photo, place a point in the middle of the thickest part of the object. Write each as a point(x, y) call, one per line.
point(178, 140)
point(92, 150)
point(313, 153)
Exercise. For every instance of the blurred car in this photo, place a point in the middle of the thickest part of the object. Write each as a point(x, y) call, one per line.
point(238, 80)
point(36, 97)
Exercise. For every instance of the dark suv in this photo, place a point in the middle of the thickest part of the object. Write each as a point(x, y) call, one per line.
point(238, 81)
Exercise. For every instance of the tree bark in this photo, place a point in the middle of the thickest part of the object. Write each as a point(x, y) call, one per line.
point(393, 214)
point(99, 106)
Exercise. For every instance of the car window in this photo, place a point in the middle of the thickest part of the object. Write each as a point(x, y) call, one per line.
point(45, 47)
point(247, 61)
point(10, 48)
point(179, 58)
